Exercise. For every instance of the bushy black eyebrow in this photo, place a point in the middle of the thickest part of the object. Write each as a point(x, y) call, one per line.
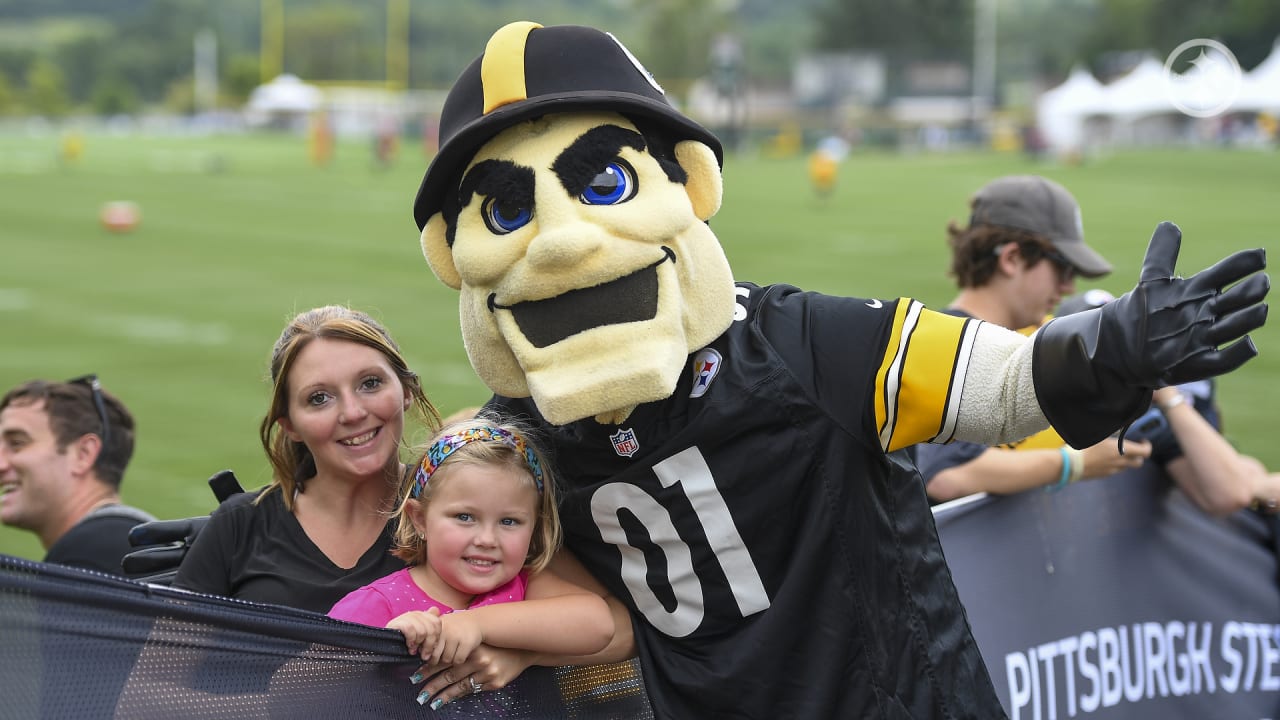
point(498, 179)
point(503, 179)
point(585, 157)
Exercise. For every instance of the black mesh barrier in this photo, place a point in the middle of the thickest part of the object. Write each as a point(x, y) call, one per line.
point(76, 643)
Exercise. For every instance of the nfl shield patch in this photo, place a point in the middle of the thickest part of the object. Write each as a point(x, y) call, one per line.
point(624, 442)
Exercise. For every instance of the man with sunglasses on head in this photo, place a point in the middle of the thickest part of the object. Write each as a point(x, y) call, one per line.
point(1018, 257)
point(64, 447)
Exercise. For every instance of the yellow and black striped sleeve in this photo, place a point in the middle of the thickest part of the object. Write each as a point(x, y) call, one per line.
point(918, 383)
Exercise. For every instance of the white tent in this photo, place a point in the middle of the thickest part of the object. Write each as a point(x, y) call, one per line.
point(1260, 90)
point(1143, 91)
point(1060, 111)
point(1136, 109)
point(1140, 109)
point(285, 94)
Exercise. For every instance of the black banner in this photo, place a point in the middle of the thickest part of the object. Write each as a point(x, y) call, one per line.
point(1118, 598)
point(79, 644)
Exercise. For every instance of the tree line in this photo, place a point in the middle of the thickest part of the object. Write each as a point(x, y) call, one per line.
point(64, 56)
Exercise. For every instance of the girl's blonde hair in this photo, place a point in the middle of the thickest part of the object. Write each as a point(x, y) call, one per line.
point(291, 461)
point(487, 440)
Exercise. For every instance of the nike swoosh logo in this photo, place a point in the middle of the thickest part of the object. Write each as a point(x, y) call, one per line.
point(875, 304)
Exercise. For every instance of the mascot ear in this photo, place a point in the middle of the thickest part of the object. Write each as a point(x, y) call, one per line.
point(435, 247)
point(705, 185)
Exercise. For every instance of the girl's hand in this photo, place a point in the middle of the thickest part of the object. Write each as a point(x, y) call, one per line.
point(459, 635)
point(421, 631)
point(492, 669)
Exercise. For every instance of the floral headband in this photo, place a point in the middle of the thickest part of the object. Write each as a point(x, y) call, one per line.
point(444, 447)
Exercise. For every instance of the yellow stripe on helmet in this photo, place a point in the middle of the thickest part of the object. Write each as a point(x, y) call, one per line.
point(502, 70)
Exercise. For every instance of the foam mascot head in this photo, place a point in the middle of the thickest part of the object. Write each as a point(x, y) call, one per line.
point(568, 204)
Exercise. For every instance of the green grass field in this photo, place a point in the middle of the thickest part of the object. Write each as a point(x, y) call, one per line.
point(178, 316)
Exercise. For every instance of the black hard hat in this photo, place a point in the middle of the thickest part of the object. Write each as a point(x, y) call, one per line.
point(528, 70)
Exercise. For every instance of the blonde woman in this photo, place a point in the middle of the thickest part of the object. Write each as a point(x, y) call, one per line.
point(340, 392)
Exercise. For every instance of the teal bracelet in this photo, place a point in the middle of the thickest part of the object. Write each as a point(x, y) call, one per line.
point(1066, 469)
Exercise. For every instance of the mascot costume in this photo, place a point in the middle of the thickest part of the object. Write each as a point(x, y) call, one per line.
point(727, 450)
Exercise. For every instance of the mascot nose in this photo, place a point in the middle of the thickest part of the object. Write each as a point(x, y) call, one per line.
point(564, 246)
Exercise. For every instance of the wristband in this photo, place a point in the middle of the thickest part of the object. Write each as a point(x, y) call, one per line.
point(1065, 477)
point(1077, 463)
point(1174, 402)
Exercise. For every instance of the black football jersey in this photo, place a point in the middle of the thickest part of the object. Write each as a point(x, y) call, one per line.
point(780, 561)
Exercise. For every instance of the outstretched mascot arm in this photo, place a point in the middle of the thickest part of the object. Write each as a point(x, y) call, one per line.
point(1094, 371)
point(1004, 409)
point(1090, 373)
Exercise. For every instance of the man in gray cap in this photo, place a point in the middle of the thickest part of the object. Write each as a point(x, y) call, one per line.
point(1017, 259)
point(1021, 252)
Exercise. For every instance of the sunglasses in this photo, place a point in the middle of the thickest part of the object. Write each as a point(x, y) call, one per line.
point(95, 387)
point(1066, 269)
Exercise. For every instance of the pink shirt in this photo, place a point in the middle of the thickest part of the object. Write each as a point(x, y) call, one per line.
point(382, 600)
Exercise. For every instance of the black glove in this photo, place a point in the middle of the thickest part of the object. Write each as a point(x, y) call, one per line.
point(1094, 371)
point(163, 543)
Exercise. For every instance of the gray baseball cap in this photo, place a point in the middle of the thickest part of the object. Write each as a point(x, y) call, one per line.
point(1042, 206)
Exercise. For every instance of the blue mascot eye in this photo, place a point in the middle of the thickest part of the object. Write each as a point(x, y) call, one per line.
point(504, 217)
point(615, 184)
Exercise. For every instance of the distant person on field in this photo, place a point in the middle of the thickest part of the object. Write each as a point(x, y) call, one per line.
point(320, 139)
point(385, 143)
point(824, 164)
point(64, 447)
point(1018, 257)
point(71, 149)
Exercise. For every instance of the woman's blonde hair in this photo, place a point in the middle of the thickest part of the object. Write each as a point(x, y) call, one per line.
point(291, 461)
point(487, 440)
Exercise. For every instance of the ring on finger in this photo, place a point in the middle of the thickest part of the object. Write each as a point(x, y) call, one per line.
point(474, 686)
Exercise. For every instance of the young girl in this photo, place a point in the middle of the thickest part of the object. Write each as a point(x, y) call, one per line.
point(478, 526)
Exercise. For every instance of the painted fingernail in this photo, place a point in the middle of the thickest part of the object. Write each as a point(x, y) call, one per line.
point(415, 678)
point(423, 697)
point(437, 703)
